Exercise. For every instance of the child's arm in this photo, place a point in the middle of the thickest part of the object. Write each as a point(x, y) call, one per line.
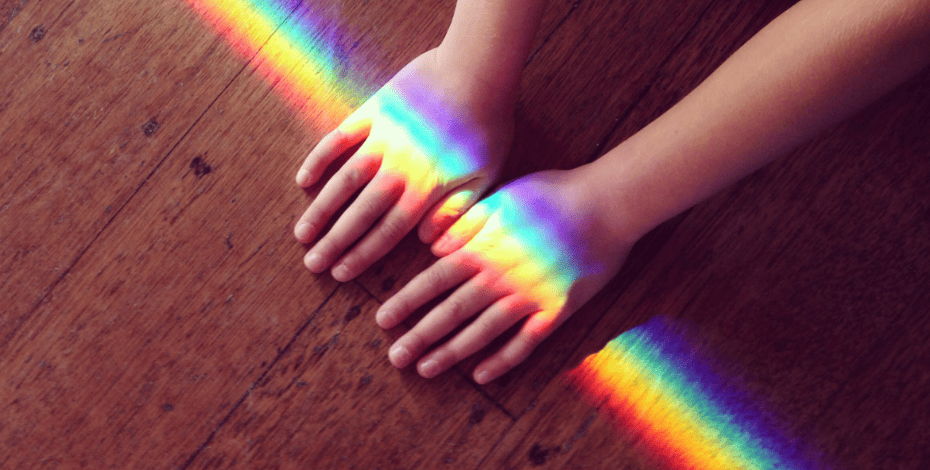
point(543, 245)
point(435, 138)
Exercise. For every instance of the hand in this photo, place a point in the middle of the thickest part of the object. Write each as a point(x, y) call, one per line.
point(534, 250)
point(431, 148)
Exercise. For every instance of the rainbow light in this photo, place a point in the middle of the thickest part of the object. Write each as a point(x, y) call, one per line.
point(517, 234)
point(648, 379)
point(295, 49)
point(287, 43)
point(651, 381)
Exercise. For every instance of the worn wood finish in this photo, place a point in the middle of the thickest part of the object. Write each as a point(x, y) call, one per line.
point(155, 313)
point(364, 415)
point(809, 279)
point(638, 59)
point(85, 118)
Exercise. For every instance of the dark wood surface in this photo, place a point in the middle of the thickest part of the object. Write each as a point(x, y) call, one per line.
point(156, 315)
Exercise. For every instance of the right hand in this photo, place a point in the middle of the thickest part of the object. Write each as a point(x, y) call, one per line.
point(535, 250)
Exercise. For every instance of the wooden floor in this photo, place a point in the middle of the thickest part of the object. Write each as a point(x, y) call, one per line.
point(156, 314)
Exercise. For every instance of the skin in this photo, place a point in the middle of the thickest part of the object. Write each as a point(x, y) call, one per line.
point(816, 64)
point(468, 82)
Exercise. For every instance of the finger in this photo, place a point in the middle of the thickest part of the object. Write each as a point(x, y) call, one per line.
point(469, 299)
point(492, 323)
point(443, 275)
point(383, 237)
point(330, 147)
point(371, 203)
point(463, 230)
point(444, 213)
point(361, 168)
point(537, 328)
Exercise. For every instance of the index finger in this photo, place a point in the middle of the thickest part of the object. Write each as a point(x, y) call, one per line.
point(353, 130)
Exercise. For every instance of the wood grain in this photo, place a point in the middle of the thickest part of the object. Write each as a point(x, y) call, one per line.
point(365, 414)
point(802, 279)
point(84, 120)
point(662, 56)
point(156, 314)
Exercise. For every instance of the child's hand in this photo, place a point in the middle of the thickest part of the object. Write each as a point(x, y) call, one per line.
point(431, 148)
point(535, 249)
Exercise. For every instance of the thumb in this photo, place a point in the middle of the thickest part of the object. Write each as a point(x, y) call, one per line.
point(445, 212)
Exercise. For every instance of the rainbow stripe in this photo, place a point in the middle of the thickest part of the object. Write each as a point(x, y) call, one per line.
point(292, 48)
point(529, 245)
point(652, 381)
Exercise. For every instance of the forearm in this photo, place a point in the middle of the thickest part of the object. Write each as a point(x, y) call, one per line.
point(814, 65)
point(488, 43)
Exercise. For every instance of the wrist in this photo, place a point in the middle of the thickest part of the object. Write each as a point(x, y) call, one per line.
point(619, 208)
point(491, 91)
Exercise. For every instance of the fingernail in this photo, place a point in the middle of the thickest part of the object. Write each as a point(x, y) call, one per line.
point(384, 318)
point(302, 230)
point(483, 377)
point(440, 244)
point(314, 262)
point(399, 355)
point(302, 176)
point(341, 273)
point(429, 369)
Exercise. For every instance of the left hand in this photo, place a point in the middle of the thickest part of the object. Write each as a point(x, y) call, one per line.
point(533, 250)
point(430, 148)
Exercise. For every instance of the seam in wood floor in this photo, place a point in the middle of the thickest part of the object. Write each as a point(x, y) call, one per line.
point(258, 380)
point(625, 114)
point(458, 371)
point(51, 288)
point(551, 33)
point(365, 290)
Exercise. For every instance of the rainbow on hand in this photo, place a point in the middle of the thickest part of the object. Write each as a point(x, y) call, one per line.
point(648, 380)
point(295, 49)
point(652, 381)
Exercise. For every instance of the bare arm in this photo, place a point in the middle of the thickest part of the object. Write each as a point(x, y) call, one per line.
point(490, 40)
point(817, 63)
point(814, 65)
point(460, 95)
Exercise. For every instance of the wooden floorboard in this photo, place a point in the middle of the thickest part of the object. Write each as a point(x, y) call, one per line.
point(364, 413)
point(809, 280)
point(85, 120)
point(156, 314)
point(561, 119)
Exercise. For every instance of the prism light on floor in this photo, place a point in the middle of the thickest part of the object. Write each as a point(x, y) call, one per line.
point(655, 382)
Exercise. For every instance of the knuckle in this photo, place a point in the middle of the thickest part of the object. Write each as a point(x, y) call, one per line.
point(485, 329)
point(394, 228)
point(327, 247)
point(368, 208)
point(454, 308)
point(435, 276)
point(416, 343)
point(352, 177)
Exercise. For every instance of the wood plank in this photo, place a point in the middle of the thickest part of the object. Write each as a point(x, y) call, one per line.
point(181, 303)
point(85, 119)
point(332, 399)
point(804, 277)
point(582, 77)
point(878, 418)
point(8, 10)
point(176, 309)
